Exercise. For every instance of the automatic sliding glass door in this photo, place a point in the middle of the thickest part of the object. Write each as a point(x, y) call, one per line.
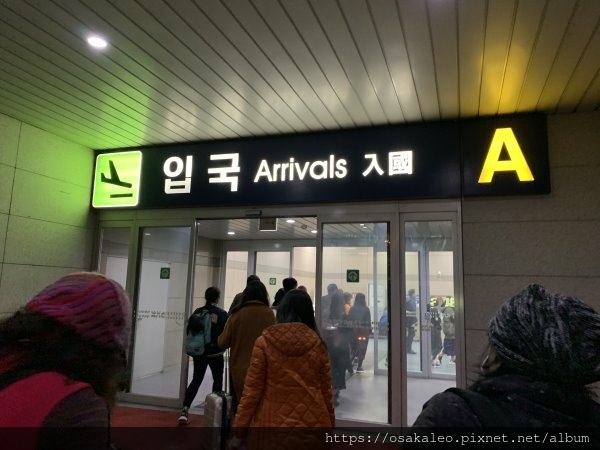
point(356, 277)
point(429, 277)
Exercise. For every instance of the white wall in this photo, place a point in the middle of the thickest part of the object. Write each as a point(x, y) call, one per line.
point(554, 240)
point(46, 225)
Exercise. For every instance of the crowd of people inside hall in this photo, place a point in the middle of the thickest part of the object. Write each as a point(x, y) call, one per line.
point(63, 355)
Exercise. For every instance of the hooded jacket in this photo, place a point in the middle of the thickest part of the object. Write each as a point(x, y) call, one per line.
point(288, 386)
point(241, 330)
point(512, 400)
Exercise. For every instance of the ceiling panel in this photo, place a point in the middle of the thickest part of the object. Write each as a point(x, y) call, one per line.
point(577, 38)
point(414, 21)
point(471, 37)
point(498, 32)
point(443, 20)
point(191, 70)
point(522, 42)
point(551, 32)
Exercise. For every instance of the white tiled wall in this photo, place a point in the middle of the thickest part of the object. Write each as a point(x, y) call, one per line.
point(46, 225)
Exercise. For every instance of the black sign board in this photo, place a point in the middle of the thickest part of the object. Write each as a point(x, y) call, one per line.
point(429, 160)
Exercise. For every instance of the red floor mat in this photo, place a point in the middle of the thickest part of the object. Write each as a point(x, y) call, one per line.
point(150, 429)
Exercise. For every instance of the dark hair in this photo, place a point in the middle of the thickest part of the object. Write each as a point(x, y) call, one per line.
point(44, 345)
point(336, 309)
point(297, 306)
point(256, 290)
point(332, 287)
point(212, 294)
point(252, 278)
point(359, 299)
point(347, 297)
point(289, 284)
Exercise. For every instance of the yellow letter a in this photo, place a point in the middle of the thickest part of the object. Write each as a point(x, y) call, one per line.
point(517, 162)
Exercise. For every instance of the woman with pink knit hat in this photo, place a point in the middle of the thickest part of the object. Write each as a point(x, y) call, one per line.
point(61, 359)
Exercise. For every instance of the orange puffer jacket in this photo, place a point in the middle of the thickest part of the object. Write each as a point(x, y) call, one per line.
point(288, 387)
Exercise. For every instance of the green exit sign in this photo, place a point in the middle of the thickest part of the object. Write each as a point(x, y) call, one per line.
point(117, 179)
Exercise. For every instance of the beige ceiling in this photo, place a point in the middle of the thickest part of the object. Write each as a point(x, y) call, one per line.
point(184, 70)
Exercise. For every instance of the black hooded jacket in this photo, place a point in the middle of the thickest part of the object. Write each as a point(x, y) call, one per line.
point(511, 401)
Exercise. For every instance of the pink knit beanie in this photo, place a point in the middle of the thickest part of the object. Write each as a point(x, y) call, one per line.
point(94, 306)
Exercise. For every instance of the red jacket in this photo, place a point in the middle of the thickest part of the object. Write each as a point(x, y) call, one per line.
point(26, 403)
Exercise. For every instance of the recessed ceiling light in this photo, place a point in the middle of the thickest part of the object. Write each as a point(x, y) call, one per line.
point(147, 234)
point(96, 41)
point(231, 233)
point(313, 231)
point(290, 221)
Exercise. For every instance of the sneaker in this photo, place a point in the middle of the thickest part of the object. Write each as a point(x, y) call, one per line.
point(436, 363)
point(360, 369)
point(183, 418)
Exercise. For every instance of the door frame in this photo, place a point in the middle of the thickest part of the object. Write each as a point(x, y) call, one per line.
point(454, 218)
point(396, 213)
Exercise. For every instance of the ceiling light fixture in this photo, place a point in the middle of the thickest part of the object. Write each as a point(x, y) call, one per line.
point(313, 231)
point(290, 221)
point(96, 41)
point(231, 233)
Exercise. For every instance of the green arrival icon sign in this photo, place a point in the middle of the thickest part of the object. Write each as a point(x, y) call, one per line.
point(117, 179)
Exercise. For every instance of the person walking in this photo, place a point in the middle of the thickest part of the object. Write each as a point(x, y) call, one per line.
point(62, 362)
point(449, 330)
point(237, 299)
point(213, 356)
point(411, 320)
point(359, 319)
point(287, 401)
point(241, 330)
point(435, 321)
point(336, 335)
point(542, 359)
point(288, 284)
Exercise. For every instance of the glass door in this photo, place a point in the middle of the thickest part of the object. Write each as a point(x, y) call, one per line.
point(272, 267)
point(355, 275)
point(430, 309)
point(228, 250)
point(160, 312)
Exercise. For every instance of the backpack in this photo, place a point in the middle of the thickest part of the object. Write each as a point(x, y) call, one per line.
point(196, 344)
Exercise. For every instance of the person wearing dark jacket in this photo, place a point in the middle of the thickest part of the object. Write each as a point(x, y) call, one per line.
point(213, 356)
point(411, 320)
point(288, 284)
point(337, 334)
point(359, 318)
point(544, 353)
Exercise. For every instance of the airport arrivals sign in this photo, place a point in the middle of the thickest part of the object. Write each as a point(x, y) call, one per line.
point(480, 157)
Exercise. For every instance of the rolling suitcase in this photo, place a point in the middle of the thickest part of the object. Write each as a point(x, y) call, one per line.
point(217, 415)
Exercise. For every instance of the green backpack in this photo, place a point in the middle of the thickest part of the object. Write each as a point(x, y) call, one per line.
point(198, 336)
